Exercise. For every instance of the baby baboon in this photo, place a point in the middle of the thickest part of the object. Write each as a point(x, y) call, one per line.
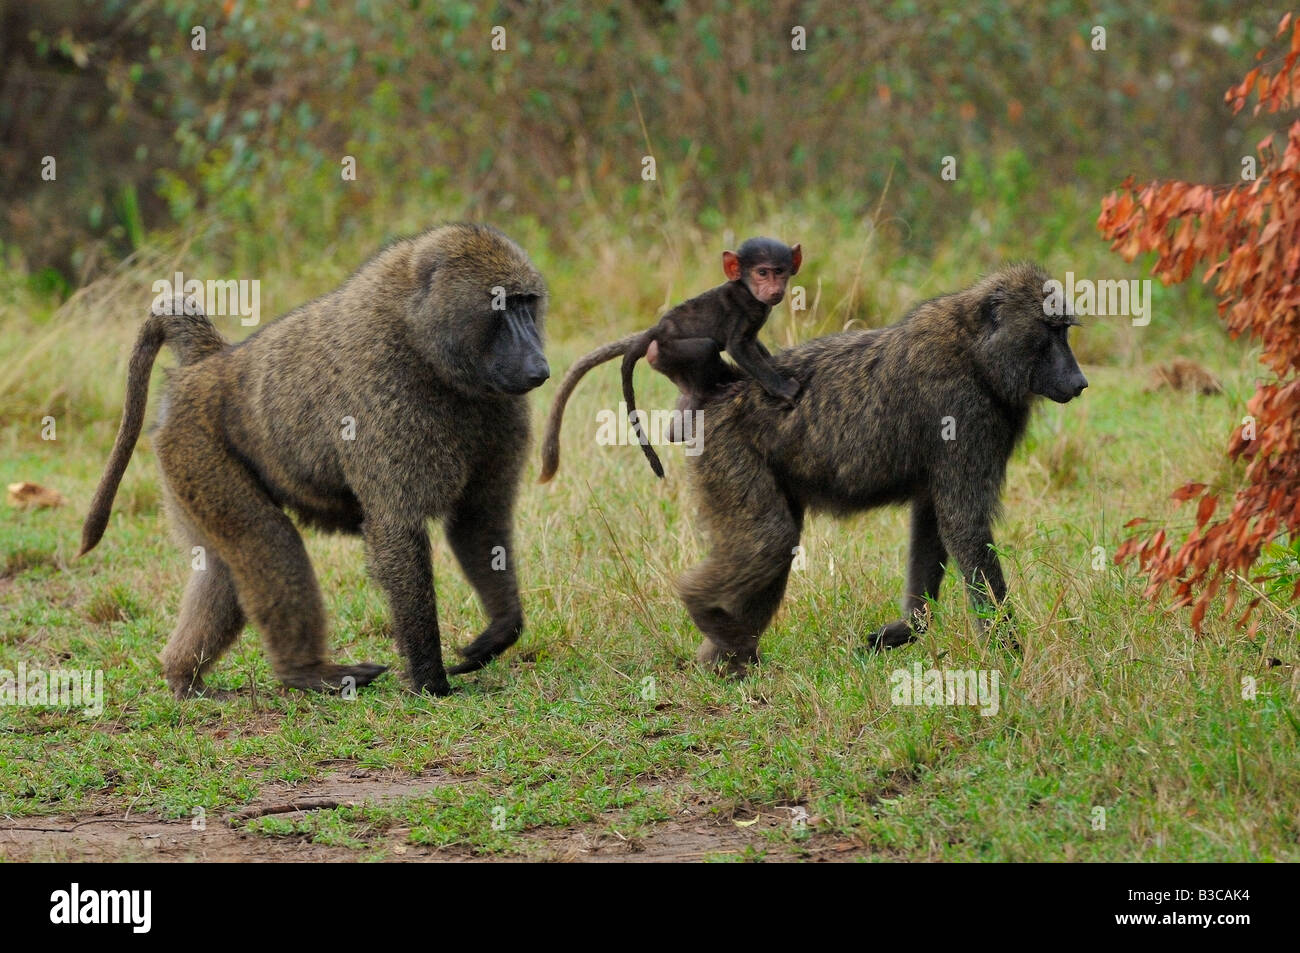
point(395, 398)
point(924, 412)
point(728, 316)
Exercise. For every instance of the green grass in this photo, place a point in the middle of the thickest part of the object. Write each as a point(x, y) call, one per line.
point(1113, 703)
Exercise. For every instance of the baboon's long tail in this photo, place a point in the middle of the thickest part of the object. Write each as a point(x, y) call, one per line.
point(192, 337)
point(629, 398)
point(551, 442)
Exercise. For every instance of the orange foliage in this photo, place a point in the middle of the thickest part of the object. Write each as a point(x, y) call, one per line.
point(1249, 237)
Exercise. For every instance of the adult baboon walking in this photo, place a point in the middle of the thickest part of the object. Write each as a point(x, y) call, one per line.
point(924, 412)
point(394, 399)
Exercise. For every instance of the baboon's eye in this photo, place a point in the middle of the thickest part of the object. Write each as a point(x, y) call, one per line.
point(525, 303)
point(990, 310)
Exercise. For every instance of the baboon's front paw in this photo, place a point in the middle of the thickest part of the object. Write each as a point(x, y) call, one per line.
point(183, 688)
point(364, 673)
point(707, 653)
point(334, 678)
point(470, 664)
point(437, 686)
point(476, 657)
point(892, 636)
point(491, 642)
point(724, 662)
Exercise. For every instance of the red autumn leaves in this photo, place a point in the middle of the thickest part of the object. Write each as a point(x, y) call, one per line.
point(1248, 238)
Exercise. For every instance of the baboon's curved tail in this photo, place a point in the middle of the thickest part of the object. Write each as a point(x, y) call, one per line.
point(629, 397)
point(192, 338)
point(551, 442)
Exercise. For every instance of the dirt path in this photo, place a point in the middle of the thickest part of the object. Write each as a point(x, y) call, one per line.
point(109, 834)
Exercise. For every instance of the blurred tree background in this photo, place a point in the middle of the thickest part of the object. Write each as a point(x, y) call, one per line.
point(250, 132)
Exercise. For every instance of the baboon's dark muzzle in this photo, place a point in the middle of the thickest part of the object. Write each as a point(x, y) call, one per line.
point(518, 363)
point(539, 373)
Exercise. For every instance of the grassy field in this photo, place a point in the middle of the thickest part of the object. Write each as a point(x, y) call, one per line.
point(597, 736)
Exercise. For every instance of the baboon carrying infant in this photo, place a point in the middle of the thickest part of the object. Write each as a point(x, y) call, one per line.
point(924, 412)
point(396, 398)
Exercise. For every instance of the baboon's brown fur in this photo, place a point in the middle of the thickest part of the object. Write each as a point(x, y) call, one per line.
point(925, 412)
point(425, 353)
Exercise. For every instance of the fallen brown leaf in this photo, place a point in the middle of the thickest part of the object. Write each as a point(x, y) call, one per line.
point(33, 494)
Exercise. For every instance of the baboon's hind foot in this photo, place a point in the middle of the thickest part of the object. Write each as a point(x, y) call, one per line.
point(892, 636)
